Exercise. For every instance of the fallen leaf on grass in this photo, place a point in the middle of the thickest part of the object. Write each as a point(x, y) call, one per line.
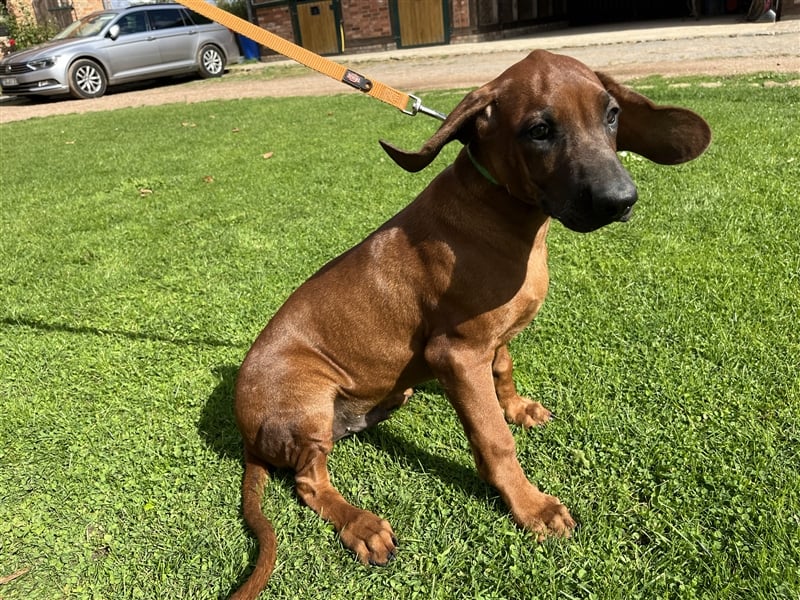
point(145, 192)
point(267, 155)
point(235, 130)
point(188, 124)
point(208, 179)
point(13, 576)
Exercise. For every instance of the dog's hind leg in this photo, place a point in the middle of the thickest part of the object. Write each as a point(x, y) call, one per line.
point(289, 421)
point(517, 409)
point(366, 534)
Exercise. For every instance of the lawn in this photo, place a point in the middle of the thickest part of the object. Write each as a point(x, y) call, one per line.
point(142, 250)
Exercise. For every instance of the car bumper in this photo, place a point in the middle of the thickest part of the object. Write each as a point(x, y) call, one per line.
point(43, 82)
point(42, 87)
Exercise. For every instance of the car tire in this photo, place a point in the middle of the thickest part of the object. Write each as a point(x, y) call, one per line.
point(210, 61)
point(87, 79)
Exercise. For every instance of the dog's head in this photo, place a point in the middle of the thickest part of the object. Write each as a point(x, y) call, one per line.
point(548, 130)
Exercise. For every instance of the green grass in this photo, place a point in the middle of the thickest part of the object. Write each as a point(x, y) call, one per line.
point(142, 250)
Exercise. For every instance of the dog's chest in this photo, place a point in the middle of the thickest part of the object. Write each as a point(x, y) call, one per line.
point(527, 302)
point(523, 309)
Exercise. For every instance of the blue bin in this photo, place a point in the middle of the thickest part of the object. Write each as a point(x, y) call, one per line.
point(249, 47)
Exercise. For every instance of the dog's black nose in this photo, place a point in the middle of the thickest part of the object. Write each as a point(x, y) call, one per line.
point(615, 200)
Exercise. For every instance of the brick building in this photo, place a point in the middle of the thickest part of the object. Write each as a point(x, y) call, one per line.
point(333, 26)
point(336, 26)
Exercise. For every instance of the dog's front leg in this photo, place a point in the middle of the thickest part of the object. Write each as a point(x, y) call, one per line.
point(466, 375)
point(517, 409)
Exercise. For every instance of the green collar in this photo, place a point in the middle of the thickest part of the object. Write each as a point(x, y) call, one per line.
point(481, 169)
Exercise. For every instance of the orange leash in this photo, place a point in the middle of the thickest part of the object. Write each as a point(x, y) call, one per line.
point(407, 103)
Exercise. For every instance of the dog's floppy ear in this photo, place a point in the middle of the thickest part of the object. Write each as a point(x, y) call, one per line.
point(458, 125)
point(665, 134)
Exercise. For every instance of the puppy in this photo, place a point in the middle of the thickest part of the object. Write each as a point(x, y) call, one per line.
point(440, 290)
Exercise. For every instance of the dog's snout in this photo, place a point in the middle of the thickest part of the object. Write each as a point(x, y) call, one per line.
point(615, 200)
point(607, 197)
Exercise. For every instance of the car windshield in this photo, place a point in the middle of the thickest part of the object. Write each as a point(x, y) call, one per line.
point(86, 27)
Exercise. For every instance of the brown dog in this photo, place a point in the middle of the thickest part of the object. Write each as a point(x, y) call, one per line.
point(440, 289)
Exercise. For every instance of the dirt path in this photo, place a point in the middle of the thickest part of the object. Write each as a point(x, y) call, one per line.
point(725, 48)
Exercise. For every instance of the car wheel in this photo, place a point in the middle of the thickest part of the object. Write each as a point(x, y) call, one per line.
point(87, 79)
point(211, 61)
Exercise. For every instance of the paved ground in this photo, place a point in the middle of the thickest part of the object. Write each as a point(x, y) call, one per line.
point(723, 46)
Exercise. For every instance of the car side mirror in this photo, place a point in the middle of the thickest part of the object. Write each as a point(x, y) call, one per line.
point(113, 32)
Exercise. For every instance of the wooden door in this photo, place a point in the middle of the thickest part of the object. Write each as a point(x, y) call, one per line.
point(317, 22)
point(421, 22)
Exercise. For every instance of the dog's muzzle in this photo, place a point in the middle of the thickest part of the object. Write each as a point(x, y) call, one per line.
point(593, 210)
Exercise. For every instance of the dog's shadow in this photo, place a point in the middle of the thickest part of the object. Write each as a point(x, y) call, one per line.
point(405, 450)
point(217, 427)
point(217, 424)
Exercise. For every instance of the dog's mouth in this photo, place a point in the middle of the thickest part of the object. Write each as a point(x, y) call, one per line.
point(626, 215)
point(582, 223)
point(588, 211)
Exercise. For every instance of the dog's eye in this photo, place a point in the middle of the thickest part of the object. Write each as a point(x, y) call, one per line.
point(540, 131)
point(612, 117)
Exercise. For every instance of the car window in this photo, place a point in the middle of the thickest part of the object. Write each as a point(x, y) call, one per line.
point(86, 27)
point(166, 18)
point(198, 19)
point(132, 23)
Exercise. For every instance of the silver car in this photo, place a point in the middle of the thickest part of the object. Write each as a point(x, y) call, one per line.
point(120, 46)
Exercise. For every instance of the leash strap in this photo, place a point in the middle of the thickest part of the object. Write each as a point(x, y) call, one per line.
point(407, 103)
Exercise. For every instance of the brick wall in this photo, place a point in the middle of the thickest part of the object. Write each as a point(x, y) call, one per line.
point(459, 14)
point(277, 20)
point(84, 7)
point(365, 20)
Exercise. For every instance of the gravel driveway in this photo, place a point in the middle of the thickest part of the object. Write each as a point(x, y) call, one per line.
point(708, 47)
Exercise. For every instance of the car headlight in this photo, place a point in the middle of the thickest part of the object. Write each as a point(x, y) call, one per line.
point(42, 63)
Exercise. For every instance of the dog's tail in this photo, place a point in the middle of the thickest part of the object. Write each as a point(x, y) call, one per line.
point(255, 477)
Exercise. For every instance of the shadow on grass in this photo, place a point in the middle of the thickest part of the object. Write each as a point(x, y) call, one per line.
point(419, 459)
point(131, 335)
point(414, 456)
point(217, 425)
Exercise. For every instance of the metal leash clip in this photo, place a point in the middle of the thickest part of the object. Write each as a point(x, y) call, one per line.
point(417, 107)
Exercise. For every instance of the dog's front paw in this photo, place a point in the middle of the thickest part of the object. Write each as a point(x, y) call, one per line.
point(552, 518)
point(371, 538)
point(526, 412)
